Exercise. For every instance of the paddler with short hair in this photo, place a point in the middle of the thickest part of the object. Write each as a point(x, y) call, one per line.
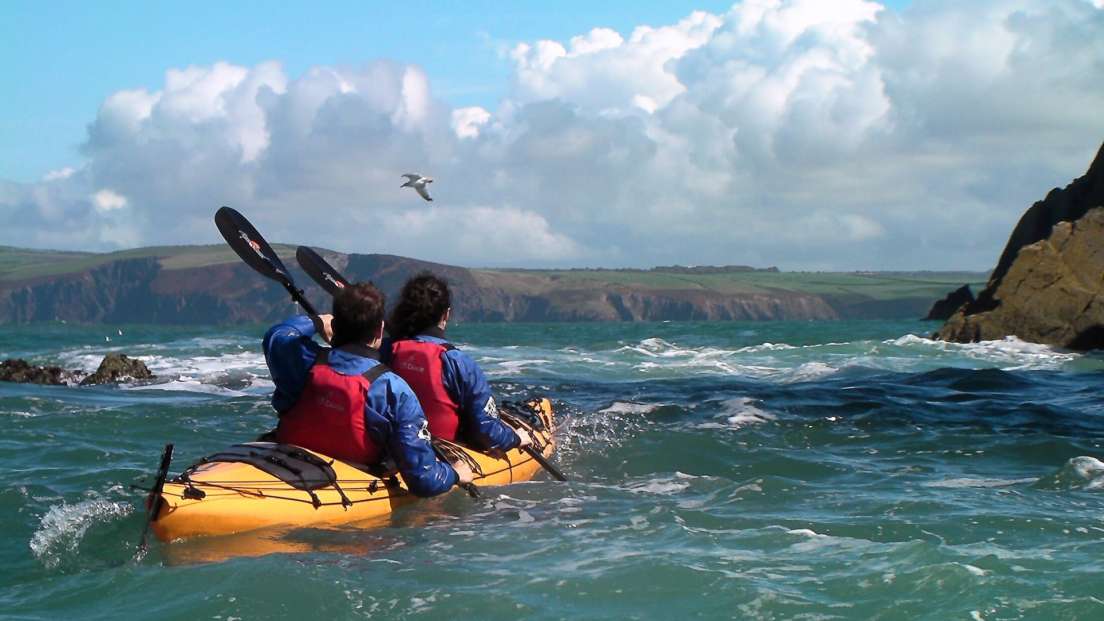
point(450, 385)
point(343, 402)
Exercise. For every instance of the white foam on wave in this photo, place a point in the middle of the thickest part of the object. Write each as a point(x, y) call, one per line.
point(1090, 469)
point(755, 349)
point(666, 486)
point(189, 385)
point(971, 482)
point(624, 407)
point(64, 525)
point(741, 412)
point(208, 366)
point(1082, 472)
point(1009, 353)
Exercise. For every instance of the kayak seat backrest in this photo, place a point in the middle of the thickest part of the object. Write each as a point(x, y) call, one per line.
point(292, 465)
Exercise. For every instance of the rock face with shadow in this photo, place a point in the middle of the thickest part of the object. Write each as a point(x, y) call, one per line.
point(944, 309)
point(19, 371)
point(1048, 286)
point(116, 367)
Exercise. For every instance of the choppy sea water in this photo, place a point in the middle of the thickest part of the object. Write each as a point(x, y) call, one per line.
point(831, 470)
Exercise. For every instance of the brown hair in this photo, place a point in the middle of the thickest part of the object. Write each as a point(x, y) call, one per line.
point(357, 314)
point(423, 302)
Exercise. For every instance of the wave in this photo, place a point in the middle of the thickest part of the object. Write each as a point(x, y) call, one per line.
point(654, 357)
point(1079, 473)
point(64, 525)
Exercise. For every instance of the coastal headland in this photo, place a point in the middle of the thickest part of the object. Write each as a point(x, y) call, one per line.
point(192, 285)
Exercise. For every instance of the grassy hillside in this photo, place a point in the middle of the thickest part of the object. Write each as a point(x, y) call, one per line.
point(879, 286)
point(18, 264)
point(860, 294)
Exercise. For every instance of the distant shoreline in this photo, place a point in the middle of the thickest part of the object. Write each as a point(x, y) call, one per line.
point(190, 285)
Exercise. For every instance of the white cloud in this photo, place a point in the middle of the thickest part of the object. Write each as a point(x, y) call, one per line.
point(479, 235)
point(467, 121)
point(55, 175)
point(798, 133)
point(107, 199)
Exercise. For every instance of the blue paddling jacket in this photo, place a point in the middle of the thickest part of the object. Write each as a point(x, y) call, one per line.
point(467, 387)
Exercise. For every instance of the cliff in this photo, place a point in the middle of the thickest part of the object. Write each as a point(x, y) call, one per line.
point(208, 284)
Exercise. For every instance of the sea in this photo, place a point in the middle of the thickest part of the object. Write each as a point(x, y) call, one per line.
point(730, 470)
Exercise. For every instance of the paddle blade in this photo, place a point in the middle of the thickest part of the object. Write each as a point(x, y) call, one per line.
point(320, 270)
point(250, 246)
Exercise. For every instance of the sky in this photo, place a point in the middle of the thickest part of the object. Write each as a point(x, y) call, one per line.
point(803, 134)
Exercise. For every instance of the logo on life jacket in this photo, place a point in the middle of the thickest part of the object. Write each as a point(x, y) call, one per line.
point(328, 401)
point(421, 364)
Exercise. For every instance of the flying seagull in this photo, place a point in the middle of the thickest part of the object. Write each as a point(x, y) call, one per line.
point(418, 182)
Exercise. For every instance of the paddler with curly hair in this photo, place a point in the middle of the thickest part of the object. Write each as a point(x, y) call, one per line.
point(450, 385)
point(342, 402)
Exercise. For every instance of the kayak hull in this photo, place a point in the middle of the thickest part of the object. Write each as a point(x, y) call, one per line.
point(221, 498)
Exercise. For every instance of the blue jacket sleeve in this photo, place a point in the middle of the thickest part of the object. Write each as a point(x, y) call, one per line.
point(478, 411)
point(289, 350)
point(408, 440)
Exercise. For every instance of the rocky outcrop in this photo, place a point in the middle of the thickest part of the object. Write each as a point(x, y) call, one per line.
point(944, 309)
point(114, 367)
point(18, 370)
point(1050, 278)
point(117, 367)
point(1052, 293)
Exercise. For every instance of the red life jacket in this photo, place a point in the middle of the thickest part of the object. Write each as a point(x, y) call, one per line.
point(421, 365)
point(329, 416)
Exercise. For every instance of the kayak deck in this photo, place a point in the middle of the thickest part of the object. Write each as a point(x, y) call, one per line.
point(224, 497)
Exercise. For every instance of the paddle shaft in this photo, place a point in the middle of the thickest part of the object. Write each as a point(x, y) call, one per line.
point(547, 465)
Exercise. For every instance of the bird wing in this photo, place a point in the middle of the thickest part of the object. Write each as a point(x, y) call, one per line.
point(423, 191)
point(412, 177)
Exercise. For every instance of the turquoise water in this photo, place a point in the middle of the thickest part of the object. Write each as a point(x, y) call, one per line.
point(834, 470)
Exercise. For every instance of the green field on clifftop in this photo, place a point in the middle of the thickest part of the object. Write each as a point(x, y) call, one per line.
point(880, 286)
point(17, 264)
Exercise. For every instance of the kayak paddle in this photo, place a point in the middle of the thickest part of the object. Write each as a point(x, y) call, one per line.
point(320, 270)
point(255, 251)
point(248, 243)
point(332, 281)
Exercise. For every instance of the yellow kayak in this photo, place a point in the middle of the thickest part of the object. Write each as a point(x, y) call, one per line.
point(262, 484)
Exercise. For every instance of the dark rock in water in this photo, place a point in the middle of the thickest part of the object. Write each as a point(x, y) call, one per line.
point(117, 368)
point(1049, 283)
point(17, 370)
point(1051, 294)
point(943, 309)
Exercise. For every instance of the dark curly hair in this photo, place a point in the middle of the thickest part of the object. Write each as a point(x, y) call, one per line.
point(357, 314)
point(423, 302)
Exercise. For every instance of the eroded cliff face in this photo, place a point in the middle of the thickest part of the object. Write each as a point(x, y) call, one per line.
point(145, 291)
point(140, 291)
point(1048, 283)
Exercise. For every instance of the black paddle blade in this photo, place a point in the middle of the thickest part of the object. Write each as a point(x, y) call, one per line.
point(320, 270)
point(154, 500)
point(250, 246)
